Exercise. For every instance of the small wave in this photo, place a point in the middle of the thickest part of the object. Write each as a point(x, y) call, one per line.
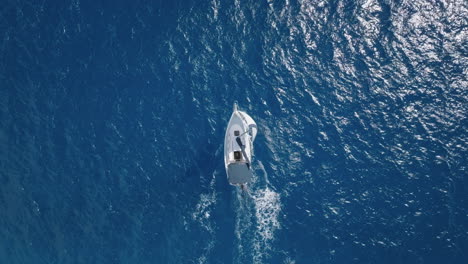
point(202, 215)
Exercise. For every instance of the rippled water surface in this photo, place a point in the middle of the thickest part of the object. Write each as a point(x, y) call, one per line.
point(112, 119)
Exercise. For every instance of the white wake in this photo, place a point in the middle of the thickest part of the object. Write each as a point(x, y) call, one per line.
point(257, 219)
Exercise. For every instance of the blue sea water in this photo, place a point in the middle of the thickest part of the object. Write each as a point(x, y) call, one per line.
point(113, 113)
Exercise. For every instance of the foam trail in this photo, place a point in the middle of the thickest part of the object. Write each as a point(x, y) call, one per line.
point(256, 220)
point(267, 210)
point(202, 215)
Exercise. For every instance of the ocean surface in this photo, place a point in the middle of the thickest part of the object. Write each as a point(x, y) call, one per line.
point(113, 114)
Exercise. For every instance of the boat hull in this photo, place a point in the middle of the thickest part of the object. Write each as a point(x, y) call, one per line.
point(238, 147)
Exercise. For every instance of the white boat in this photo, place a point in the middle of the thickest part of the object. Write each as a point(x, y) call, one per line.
point(238, 147)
